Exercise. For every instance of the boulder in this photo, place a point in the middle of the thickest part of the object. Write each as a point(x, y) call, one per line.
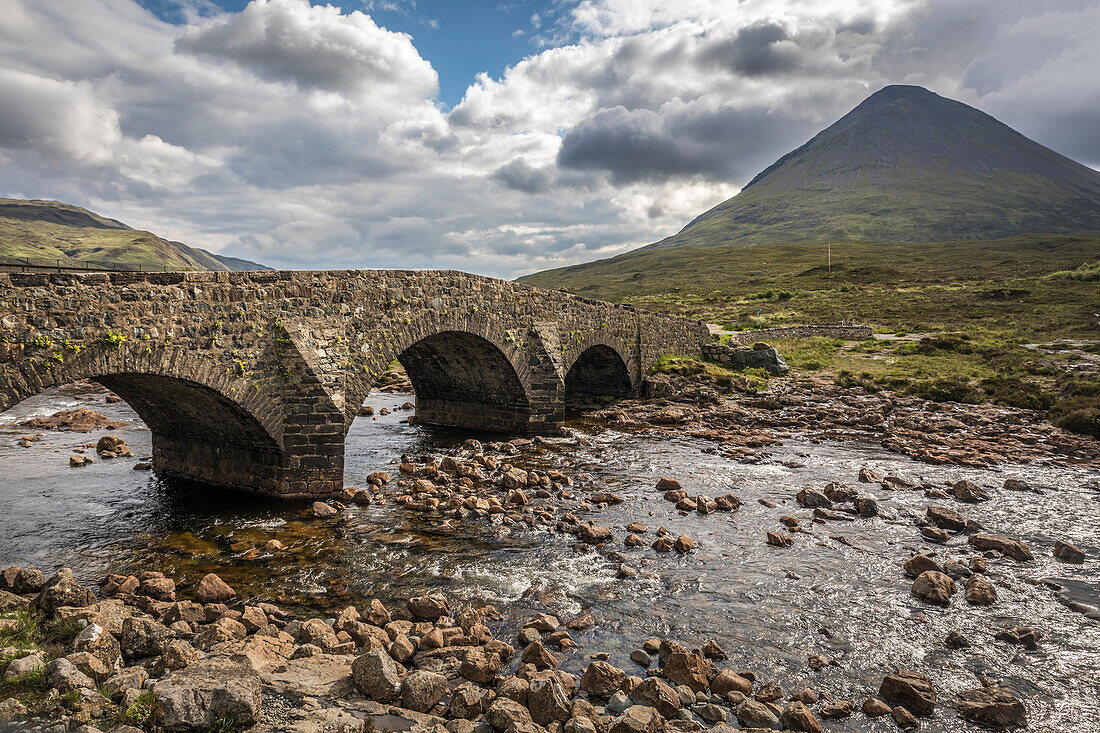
point(469, 701)
point(911, 690)
point(920, 563)
point(429, 607)
point(728, 681)
point(934, 587)
point(1007, 546)
point(1024, 636)
point(812, 498)
point(143, 637)
point(754, 714)
point(991, 707)
point(968, 491)
point(874, 708)
point(796, 716)
point(601, 678)
point(480, 666)
point(63, 590)
point(98, 642)
point(658, 695)
point(593, 534)
point(377, 676)
point(980, 591)
point(422, 690)
point(22, 580)
point(212, 589)
point(547, 701)
point(538, 655)
point(1067, 552)
point(638, 719)
point(945, 518)
point(203, 694)
point(19, 668)
point(505, 712)
point(686, 668)
point(64, 675)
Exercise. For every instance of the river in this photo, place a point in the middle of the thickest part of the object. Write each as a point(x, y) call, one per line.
point(769, 608)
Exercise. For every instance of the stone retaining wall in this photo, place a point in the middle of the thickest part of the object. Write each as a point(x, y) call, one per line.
point(836, 331)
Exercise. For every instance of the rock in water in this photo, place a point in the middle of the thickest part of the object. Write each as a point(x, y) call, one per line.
point(980, 591)
point(1067, 552)
point(212, 589)
point(992, 707)
point(208, 691)
point(1007, 546)
point(911, 690)
point(934, 587)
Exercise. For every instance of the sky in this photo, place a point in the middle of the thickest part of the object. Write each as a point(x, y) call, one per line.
point(500, 136)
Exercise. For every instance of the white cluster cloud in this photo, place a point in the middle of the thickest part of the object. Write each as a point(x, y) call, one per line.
point(303, 135)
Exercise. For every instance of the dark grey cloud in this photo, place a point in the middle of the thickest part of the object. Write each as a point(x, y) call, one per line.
point(641, 145)
point(518, 175)
point(765, 47)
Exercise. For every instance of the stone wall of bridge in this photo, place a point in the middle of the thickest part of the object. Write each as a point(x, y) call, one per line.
point(251, 379)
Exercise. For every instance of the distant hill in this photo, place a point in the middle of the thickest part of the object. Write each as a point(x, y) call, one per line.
point(906, 165)
point(47, 231)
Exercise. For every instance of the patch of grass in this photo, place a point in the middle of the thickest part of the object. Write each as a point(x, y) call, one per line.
point(140, 713)
point(61, 630)
point(1087, 272)
point(224, 724)
point(946, 390)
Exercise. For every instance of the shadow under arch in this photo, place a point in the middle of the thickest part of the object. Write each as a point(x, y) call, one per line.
point(598, 375)
point(205, 424)
point(462, 379)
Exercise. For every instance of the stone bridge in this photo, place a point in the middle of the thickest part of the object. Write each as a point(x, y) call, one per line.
point(251, 379)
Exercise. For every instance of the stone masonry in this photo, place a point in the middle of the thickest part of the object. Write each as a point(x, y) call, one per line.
point(251, 379)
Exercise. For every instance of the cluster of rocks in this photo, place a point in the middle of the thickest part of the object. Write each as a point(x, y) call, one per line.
point(482, 482)
point(203, 661)
point(940, 433)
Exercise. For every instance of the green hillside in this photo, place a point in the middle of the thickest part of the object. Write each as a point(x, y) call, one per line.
point(48, 231)
point(927, 286)
point(906, 165)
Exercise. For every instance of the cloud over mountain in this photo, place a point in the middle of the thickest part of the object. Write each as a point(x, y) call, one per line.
point(306, 135)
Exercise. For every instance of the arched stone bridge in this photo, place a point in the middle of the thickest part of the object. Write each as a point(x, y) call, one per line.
point(252, 379)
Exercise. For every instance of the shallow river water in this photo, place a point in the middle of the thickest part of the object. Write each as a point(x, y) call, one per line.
point(838, 592)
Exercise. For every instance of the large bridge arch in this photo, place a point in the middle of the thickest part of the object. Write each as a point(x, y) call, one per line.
point(206, 424)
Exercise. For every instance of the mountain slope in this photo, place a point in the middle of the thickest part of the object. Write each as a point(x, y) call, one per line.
point(48, 231)
point(906, 165)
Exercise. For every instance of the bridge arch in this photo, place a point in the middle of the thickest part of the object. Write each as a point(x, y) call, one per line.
point(467, 371)
point(599, 365)
point(206, 424)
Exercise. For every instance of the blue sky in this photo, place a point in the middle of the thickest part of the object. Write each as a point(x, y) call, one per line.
point(461, 38)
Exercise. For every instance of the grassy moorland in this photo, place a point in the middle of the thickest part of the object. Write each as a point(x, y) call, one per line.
point(1014, 321)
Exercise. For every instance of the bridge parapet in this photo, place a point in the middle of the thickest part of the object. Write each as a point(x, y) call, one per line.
point(252, 379)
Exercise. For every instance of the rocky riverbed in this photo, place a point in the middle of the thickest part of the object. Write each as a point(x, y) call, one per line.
point(783, 557)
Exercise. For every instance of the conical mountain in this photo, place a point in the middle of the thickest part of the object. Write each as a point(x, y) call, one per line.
point(906, 165)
